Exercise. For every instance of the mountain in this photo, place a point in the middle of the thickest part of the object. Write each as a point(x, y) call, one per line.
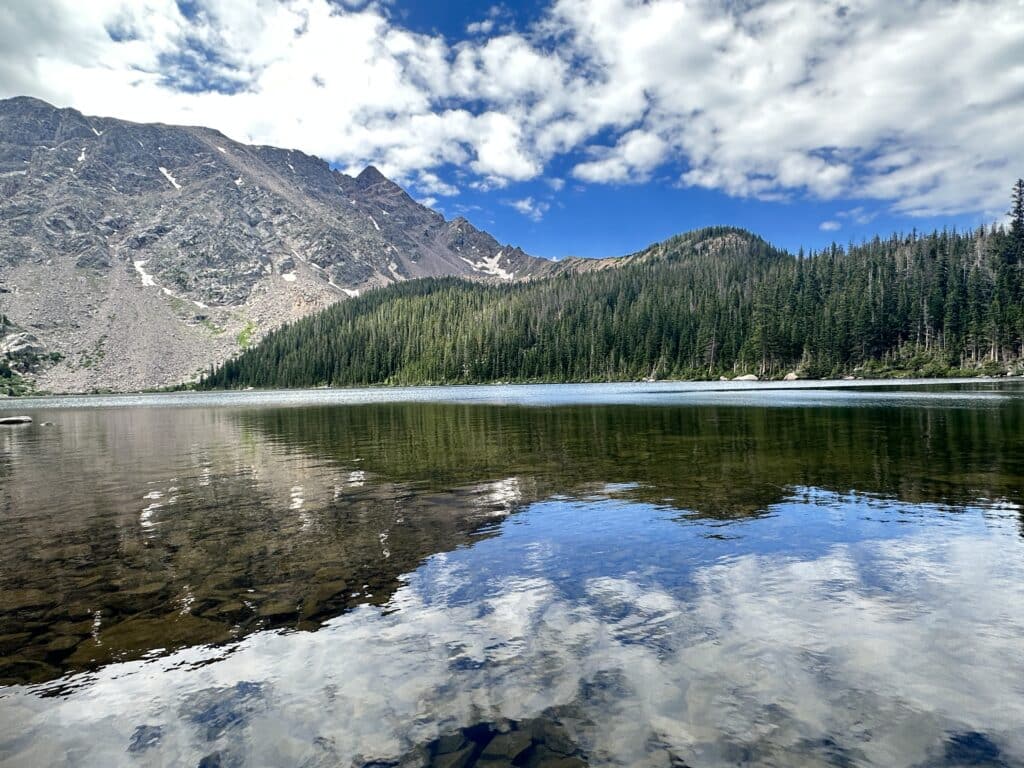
point(135, 255)
point(717, 302)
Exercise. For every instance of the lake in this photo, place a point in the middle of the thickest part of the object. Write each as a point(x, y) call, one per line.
point(606, 575)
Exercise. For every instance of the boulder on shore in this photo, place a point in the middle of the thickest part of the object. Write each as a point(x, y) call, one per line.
point(15, 420)
point(791, 376)
point(746, 377)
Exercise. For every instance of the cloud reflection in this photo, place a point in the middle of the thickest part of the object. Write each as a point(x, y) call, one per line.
point(898, 652)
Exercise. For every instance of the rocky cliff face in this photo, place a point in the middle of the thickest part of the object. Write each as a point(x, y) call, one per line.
point(138, 255)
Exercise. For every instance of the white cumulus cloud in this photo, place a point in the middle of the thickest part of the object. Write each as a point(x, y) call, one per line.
point(913, 105)
point(533, 209)
point(635, 155)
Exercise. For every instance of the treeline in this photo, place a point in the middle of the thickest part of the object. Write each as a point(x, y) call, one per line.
point(715, 302)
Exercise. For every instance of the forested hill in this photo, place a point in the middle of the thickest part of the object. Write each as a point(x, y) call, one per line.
point(714, 302)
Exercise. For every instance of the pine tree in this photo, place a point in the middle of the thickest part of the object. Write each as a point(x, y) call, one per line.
point(1017, 211)
point(1015, 248)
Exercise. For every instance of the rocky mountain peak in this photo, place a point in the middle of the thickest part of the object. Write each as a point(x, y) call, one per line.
point(142, 253)
point(370, 176)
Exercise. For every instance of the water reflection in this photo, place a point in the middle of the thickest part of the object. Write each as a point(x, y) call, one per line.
point(895, 651)
point(200, 536)
point(715, 461)
point(712, 585)
point(133, 531)
point(540, 742)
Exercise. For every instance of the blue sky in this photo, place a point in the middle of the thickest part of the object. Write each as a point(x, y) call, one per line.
point(602, 220)
point(580, 127)
point(614, 220)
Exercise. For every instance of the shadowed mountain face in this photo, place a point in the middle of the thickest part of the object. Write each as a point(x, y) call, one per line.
point(142, 253)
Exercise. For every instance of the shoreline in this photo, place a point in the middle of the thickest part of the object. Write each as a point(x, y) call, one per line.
point(510, 393)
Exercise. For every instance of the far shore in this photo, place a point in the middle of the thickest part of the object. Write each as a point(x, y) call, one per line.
point(526, 393)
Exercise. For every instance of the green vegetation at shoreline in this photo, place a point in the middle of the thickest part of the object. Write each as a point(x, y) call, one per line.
point(717, 302)
point(13, 385)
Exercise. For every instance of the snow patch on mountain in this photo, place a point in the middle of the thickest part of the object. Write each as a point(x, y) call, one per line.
point(170, 178)
point(491, 266)
point(149, 281)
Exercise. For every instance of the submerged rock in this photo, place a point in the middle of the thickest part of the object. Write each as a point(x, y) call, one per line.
point(21, 599)
point(17, 669)
point(172, 631)
point(542, 742)
point(460, 759)
point(145, 736)
point(451, 742)
point(61, 646)
point(276, 609)
point(507, 745)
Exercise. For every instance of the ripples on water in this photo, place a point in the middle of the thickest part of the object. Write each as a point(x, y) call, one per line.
point(651, 576)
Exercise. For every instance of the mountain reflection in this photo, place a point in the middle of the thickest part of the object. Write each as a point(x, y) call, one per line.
point(135, 531)
point(708, 461)
point(127, 533)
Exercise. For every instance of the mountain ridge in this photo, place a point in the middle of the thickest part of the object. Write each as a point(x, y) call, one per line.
point(137, 254)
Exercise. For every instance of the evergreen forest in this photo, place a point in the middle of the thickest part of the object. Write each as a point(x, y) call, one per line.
point(711, 303)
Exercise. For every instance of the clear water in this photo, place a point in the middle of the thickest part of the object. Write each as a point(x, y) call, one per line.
point(667, 574)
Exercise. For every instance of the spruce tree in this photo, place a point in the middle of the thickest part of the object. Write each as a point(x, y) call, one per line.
point(1015, 248)
point(1017, 211)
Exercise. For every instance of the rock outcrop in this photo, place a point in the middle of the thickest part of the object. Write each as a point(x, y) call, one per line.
point(23, 351)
